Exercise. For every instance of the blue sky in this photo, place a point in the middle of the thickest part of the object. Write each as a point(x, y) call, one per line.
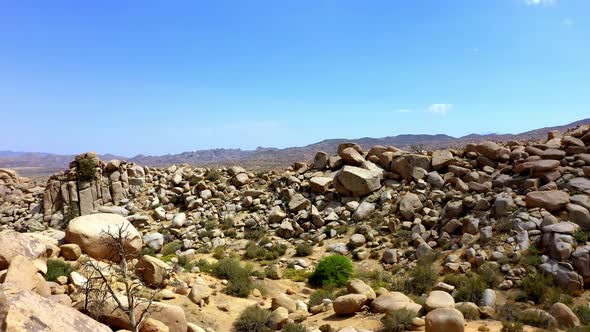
point(154, 77)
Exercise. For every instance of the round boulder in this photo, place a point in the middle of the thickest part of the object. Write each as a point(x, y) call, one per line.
point(445, 320)
point(94, 232)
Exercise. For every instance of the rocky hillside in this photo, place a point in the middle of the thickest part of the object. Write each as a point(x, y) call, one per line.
point(489, 236)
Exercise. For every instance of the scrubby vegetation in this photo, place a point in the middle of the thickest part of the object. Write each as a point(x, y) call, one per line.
point(264, 250)
point(57, 268)
point(86, 169)
point(470, 286)
point(398, 321)
point(333, 270)
point(303, 250)
point(253, 319)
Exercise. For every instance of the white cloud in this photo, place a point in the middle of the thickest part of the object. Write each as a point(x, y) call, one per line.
point(405, 110)
point(440, 109)
point(540, 2)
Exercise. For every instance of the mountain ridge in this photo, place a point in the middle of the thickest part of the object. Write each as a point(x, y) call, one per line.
point(31, 163)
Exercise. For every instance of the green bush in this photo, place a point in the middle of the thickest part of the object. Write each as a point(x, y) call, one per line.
point(535, 286)
point(375, 276)
point(469, 286)
point(512, 327)
point(227, 268)
point(239, 285)
point(303, 250)
point(253, 319)
point(259, 251)
point(581, 237)
point(170, 248)
point(422, 277)
point(319, 295)
point(254, 234)
point(335, 270)
point(490, 274)
point(86, 169)
point(583, 313)
point(398, 321)
point(219, 252)
point(213, 175)
point(57, 268)
point(532, 258)
point(294, 327)
point(295, 275)
point(536, 320)
point(468, 312)
point(238, 277)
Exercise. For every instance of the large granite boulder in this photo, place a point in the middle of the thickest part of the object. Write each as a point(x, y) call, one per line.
point(22, 310)
point(92, 234)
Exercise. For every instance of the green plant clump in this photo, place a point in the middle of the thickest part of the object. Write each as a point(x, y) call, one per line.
point(260, 252)
point(319, 295)
point(398, 321)
point(238, 277)
point(535, 287)
point(423, 277)
point(335, 270)
point(303, 250)
point(253, 319)
point(57, 268)
point(170, 248)
point(86, 169)
point(583, 313)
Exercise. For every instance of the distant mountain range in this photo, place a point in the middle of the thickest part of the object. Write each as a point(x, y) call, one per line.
point(35, 163)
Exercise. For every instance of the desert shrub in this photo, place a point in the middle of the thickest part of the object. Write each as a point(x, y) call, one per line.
point(583, 313)
point(203, 265)
point(147, 251)
point(226, 268)
point(57, 268)
point(490, 274)
point(422, 277)
point(238, 277)
point(303, 250)
point(239, 285)
point(532, 258)
point(170, 248)
point(260, 252)
point(375, 277)
point(535, 286)
point(295, 275)
point(398, 321)
point(509, 312)
point(512, 326)
point(219, 252)
point(294, 327)
point(319, 295)
point(504, 225)
point(86, 169)
point(213, 175)
point(254, 234)
point(581, 237)
point(470, 288)
point(333, 270)
point(468, 312)
point(534, 319)
point(253, 319)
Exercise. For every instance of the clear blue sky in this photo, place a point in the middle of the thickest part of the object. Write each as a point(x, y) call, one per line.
point(155, 77)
